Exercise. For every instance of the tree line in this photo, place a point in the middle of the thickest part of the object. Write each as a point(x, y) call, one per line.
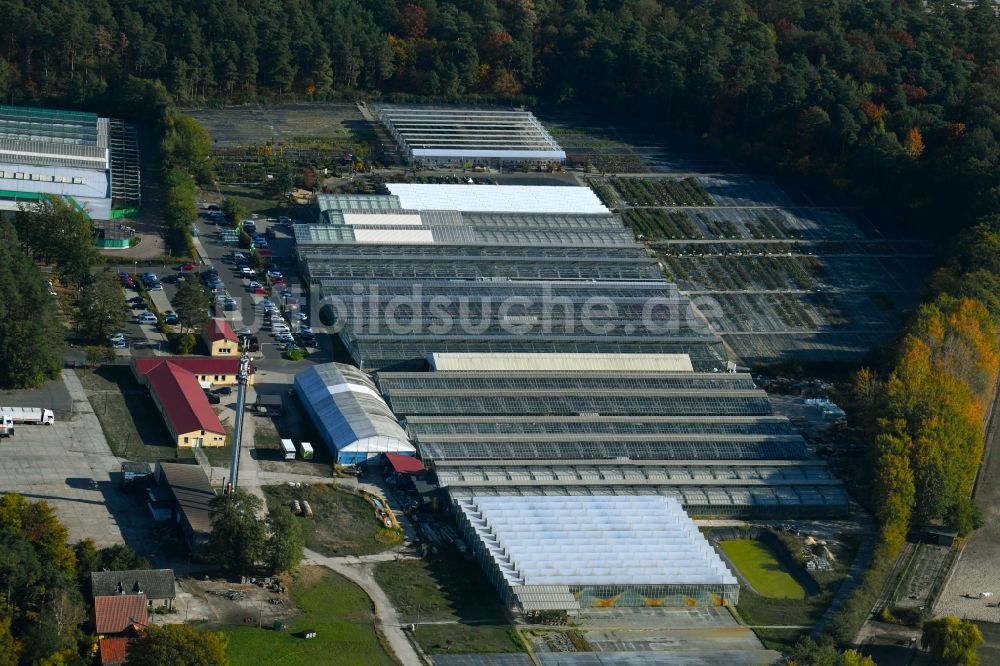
point(924, 416)
point(897, 102)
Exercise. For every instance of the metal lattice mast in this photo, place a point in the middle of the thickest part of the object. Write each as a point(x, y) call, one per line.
point(241, 392)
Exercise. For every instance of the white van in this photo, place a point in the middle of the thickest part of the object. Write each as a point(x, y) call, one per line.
point(305, 450)
point(288, 448)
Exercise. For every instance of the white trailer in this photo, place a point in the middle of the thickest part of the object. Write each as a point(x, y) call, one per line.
point(35, 415)
point(288, 448)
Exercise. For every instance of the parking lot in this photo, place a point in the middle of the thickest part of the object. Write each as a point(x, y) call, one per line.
point(250, 314)
point(69, 465)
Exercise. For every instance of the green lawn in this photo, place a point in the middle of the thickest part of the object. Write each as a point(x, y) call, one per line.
point(343, 524)
point(467, 639)
point(131, 423)
point(446, 586)
point(762, 569)
point(335, 608)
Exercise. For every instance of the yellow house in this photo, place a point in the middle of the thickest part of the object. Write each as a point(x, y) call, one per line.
point(208, 371)
point(220, 339)
point(189, 417)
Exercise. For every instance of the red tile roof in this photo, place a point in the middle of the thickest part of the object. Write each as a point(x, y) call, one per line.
point(404, 464)
point(199, 365)
point(113, 650)
point(113, 615)
point(182, 399)
point(219, 329)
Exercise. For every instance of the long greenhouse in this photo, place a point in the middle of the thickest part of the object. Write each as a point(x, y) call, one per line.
point(569, 553)
point(469, 137)
point(575, 425)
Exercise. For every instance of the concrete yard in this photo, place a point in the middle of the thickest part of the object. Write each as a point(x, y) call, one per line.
point(70, 466)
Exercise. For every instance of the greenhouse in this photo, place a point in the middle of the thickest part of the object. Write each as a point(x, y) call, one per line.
point(498, 198)
point(349, 413)
point(90, 161)
point(469, 137)
point(568, 553)
point(396, 323)
point(705, 488)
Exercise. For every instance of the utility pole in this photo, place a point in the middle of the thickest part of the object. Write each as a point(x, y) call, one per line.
point(241, 393)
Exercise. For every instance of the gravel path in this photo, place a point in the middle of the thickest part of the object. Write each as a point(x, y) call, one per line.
point(359, 571)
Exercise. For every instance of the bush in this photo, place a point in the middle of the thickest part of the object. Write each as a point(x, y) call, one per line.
point(183, 343)
point(965, 516)
point(295, 354)
point(232, 211)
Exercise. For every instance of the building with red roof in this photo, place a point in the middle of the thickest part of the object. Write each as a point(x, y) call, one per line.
point(220, 339)
point(120, 613)
point(185, 408)
point(210, 371)
point(114, 651)
point(404, 464)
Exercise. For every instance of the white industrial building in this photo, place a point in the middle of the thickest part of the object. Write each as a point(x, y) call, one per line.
point(470, 137)
point(64, 153)
point(568, 553)
point(350, 415)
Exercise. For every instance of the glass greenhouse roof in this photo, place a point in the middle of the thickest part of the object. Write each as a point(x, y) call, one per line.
point(593, 541)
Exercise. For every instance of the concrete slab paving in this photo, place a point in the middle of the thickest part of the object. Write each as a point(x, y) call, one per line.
point(69, 465)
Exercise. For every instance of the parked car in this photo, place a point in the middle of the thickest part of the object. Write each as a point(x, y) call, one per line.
point(141, 305)
point(212, 398)
point(148, 276)
point(247, 272)
point(224, 390)
point(306, 330)
point(274, 274)
point(230, 306)
point(186, 267)
point(249, 226)
point(259, 289)
point(171, 279)
point(117, 337)
point(119, 344)
point(286, 293)
point(300, 316)
point(170, 317)
point(146, 318)
point(260, 241)
point(155, 286)
point(137, 299)
point(279, 282)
